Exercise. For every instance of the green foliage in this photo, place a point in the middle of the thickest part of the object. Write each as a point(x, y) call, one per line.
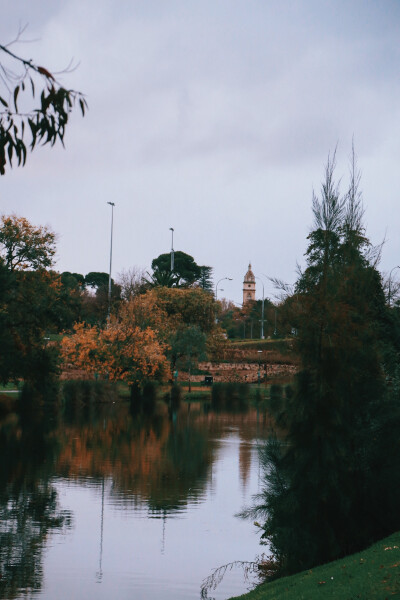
point(161, 278)
point(97, 280)
point(245, 322)
point(73, 280)
point(45, 121)
point(331, 481)
point(186, 270)
point(188, 347)
point(191, 306)
point(70, 300)
point(205, 278)
point(95, 307)
point(28, 297)
point(23, 331)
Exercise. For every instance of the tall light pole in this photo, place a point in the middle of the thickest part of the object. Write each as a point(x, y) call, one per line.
point(172, 250)
point(275, 331)
point(390, 283)
point(216, 290)
point(218, 282)
point(112, 204)
point(262, 310)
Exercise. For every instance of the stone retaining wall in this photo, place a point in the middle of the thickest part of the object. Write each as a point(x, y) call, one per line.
point(240, 371)
point(244, 372)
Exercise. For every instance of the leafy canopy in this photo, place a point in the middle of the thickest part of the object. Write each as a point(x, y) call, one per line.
point(24, 246)
point(46, 104)
point(186, 271)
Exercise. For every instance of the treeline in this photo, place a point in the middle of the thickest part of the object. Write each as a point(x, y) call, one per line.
point(143, 330)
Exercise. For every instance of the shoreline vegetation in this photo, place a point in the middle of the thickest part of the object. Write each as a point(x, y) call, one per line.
point(330, 470)
point(372, 574)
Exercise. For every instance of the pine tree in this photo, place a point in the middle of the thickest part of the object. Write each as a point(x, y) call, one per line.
point(321, 500)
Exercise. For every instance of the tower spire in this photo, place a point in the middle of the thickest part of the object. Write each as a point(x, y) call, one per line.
point(249, 286)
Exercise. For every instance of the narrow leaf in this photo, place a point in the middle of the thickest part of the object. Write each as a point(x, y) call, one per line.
point(16, 92)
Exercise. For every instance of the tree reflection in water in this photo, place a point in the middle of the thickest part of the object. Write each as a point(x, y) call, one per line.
point(29, 509)
point(159, 463)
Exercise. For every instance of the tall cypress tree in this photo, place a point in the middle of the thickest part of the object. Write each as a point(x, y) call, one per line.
point(320, 500)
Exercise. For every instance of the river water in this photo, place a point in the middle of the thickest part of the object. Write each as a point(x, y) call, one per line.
point(97, 502)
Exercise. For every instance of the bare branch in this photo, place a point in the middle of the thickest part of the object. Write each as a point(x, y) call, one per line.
point(212, 581)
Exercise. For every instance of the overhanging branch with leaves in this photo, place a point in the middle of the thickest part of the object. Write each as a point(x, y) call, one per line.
point(44, 116)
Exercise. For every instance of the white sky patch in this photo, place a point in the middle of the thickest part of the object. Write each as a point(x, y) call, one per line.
point(212, 118)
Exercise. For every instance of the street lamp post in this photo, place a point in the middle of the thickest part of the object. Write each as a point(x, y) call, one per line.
point(218, 282)
point(172, 250)
point(262, 310)
point(275, 330)
point(216, 290)
point(390, 283)
point(112, 204)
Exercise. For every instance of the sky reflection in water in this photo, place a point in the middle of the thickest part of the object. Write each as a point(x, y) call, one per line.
point(150, 506)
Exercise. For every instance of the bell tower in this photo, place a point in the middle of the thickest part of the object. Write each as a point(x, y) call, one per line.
point(249, 286)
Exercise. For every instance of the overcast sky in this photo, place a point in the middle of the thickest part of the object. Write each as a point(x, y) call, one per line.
point(212, 117)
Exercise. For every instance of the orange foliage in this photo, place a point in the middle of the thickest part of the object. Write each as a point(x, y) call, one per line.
point(24, 245)
point(121, 352)
point(144, 311)
point(132, 347)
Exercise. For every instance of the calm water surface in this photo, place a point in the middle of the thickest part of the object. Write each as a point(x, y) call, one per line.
point(100, 503)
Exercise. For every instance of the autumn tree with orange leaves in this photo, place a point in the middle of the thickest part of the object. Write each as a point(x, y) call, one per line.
point(24, 246)
point(121, 352)
point(144, 340)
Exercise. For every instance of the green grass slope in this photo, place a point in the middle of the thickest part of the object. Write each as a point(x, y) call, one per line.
point(373, 574)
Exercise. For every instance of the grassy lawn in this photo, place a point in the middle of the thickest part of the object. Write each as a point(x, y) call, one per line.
point(373, 574)
point(9, 387)
point(257, 343)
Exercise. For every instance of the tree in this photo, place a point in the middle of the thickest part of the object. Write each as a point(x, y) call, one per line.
point(205, 278)
point(121, 352)
point(188, 347)
point(45, 120)
point(73, 279)
point(169, 313)
point(160, 279)
point(97, 280)
point(28, 298)
point(186, 271)
point(95, 307)
point(320, 500)
point(24, 246)
point(72, 293)
point(191, 306)
point(131, 282)
point(29, 301)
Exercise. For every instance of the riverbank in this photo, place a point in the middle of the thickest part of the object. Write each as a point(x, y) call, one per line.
point(373, 574)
